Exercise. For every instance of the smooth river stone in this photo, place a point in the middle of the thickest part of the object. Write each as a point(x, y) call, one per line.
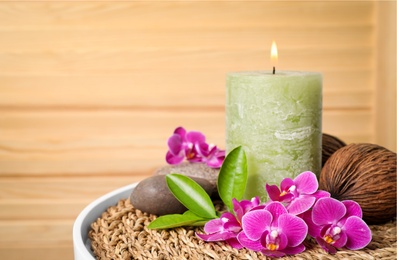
point(197, 170)
point(152, 195)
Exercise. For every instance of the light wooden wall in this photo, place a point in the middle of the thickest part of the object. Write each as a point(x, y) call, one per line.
point(385, 86)
point(90, 92)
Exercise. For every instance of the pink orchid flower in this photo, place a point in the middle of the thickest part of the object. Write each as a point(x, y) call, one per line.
point(244, 206)
point(182, 144)
point(192, 146)
point(225, 228)
point(210, 154)
point(228, 226)
point(299, 194)
point(335, 224)
point(273, 231)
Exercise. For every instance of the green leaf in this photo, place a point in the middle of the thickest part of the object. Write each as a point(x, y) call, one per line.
point(199, 223)
point(177, 220)
point(233, 175)
point(191, 195)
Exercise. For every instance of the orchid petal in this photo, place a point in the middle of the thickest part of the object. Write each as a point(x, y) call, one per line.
point(301, 204)
point(230, 222)
point(276, 209)
point(321, 194)
point(324, 229)
point(233, 242)
point(255, 245)
point(205, 237)
point(273, 253)
point(195, 137)
point(221, 153)
point(195, 159)
point(217, 159)
point(212, 151)
point(286, 183)
point(313, 229)
point(229, 216)
point(222, 236)
point(282, 240)
point(242, 207)
point(273, 191)
point(328, 211)
point(213, 226)
point(173, 159)
point(213, 157)
point(294, 250)
point(226, 221)
point(358, 233)
point(202, 149)
point(180, 131)
point(245, 205)
point(175, 144)
point(255, 201)
point(238, 209)
point(209, 154)
point(352, 208)
point(327, 247)
point(287, 198)
point(341, 241)
point(255, 222)
point(215, 162)
point(306, 183)
point(294, 228)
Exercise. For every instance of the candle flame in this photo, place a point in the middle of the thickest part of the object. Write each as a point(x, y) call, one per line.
point(273, 52)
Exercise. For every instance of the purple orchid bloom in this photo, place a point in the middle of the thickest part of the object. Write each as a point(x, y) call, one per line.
point(299, 194)
point(192, 146)
point(226, 228)
point(210, 154)
point(273, 231)
point(244, 206)
point(336, 224)
point(183, 144)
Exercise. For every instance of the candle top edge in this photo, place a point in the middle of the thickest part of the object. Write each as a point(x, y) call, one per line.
point(283, 73)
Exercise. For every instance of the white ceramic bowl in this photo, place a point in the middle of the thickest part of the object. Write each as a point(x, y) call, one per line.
point(81, 242)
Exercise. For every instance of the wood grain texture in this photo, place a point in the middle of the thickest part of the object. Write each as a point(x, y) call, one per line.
point(385, 102)
point(136, 91)
point(103, 142)
point(38, 213)
point(35, 252)
point(90, 92)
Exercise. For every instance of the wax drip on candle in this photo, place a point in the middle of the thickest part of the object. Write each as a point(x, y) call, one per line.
point(273, 55)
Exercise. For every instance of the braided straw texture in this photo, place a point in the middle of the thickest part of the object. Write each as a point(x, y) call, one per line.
point(122, 233)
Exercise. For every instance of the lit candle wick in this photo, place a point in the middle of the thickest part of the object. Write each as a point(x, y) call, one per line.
point(273, 55)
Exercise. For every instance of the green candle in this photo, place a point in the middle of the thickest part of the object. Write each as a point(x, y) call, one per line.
point(276, 118)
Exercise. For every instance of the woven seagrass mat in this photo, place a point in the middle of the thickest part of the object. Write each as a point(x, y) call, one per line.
point(122, 233)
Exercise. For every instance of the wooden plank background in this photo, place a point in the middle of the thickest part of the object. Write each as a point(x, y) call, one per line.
point(90, 92)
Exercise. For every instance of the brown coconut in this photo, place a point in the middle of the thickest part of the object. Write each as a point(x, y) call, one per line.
point(330, 144)
point(365, 173)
